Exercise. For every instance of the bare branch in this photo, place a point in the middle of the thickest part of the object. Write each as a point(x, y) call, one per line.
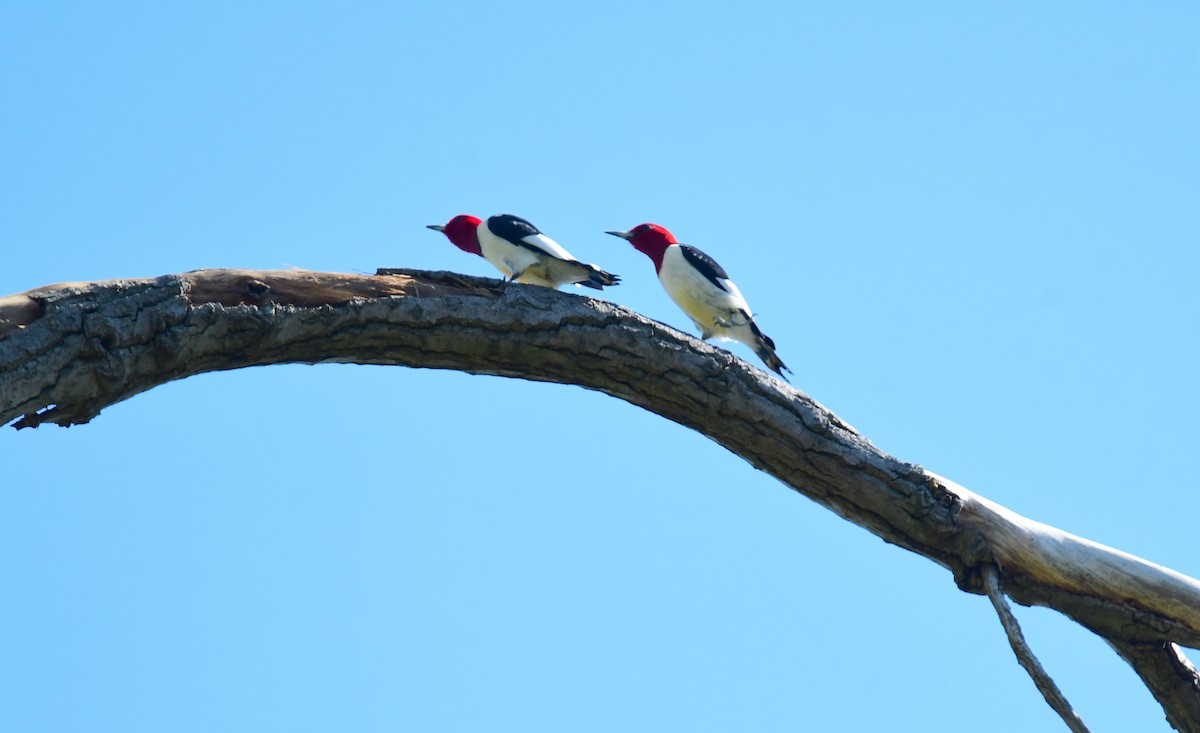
point(68, 351)
point(1054, 697)
point(1170, 677)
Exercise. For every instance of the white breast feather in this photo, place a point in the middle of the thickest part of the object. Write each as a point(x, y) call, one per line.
point(685, 283)
point(701, 300)
point(506, 256)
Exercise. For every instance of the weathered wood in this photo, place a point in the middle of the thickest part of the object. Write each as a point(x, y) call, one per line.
point(1025, 656)
point(68, 351)
point(1169, 676)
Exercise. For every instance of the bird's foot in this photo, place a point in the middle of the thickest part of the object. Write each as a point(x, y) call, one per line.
point(731, 322)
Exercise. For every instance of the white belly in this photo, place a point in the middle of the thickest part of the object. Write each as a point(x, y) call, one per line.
point(504, 256)
point(716, 312)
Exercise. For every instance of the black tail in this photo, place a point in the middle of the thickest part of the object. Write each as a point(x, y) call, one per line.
point(597, 278)
point(765, 348)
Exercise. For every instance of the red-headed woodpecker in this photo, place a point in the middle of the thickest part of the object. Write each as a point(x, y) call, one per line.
point(703, 290)
point(521, 252)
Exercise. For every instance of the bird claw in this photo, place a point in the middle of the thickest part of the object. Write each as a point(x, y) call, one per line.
point(731, 323)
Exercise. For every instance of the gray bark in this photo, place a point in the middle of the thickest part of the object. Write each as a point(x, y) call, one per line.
point(1170, 677)
point(68, 351)
point(1025, 657)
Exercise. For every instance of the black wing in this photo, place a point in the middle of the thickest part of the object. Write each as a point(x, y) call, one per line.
point(511, 228)
point(706, 265)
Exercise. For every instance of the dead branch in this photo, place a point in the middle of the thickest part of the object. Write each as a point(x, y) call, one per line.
point(68, 351)
point(1025, 656)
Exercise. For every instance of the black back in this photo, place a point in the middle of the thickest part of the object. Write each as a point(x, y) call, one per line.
point(511, 228)
point(705, 264)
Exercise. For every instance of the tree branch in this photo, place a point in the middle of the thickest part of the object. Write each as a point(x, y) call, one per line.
point(1170, 677)
point(1054, 697)
point(68, 351)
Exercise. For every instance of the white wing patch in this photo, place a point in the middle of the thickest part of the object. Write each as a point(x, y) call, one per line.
point(734, 293)
point(538, 260)
point(547, 245)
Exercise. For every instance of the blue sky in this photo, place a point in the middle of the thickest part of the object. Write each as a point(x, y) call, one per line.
point(971, 230)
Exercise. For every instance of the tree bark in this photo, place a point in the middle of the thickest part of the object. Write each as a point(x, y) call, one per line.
point(1025, 657)
point(67, 351)
point(1170, 677)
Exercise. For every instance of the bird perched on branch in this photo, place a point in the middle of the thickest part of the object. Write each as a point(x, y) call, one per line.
point(703, 290)
point(521, 252)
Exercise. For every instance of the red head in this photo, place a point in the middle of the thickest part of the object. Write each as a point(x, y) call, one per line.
point(649, 239)
point(463, 231)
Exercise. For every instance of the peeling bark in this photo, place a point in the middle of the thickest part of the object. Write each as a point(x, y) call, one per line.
point(68, 351)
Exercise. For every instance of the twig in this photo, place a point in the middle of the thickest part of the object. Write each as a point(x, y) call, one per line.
point(1049, 690)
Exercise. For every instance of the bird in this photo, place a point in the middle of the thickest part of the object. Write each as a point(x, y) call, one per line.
point(521, 252)
point(702, 288)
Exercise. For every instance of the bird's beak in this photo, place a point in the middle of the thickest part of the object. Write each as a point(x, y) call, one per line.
point(435, 227)
point(622, 235)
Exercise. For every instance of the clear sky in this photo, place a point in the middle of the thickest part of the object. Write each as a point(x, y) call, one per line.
point(971, 230)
